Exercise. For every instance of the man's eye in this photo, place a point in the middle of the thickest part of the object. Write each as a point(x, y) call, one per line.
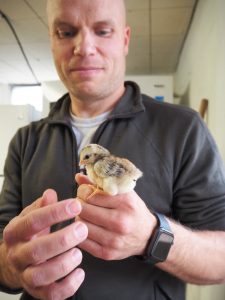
point(65, 34)
point(104, 32)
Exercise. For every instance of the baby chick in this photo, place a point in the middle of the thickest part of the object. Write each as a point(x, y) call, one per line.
point(113, 175)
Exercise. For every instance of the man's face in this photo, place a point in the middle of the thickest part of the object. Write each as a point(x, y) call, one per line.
point(89, 42)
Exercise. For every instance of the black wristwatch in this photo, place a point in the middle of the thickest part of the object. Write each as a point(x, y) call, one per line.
point(160, 241)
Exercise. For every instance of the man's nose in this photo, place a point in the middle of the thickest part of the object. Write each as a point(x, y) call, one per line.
point(84, 44)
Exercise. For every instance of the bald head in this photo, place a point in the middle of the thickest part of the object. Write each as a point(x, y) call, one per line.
point(56, 4)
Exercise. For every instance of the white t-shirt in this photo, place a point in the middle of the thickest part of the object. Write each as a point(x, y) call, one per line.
point(84, 128)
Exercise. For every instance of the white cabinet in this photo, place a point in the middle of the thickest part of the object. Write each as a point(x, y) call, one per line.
point(4, 296)
point(12, 117)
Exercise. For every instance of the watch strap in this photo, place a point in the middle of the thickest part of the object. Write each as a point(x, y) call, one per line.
point(163, 223)
point(162, 227)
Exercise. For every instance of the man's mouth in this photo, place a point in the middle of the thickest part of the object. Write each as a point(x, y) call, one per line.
point(86, 69)
point(86, 72)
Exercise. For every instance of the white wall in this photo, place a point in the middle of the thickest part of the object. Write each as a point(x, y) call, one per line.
point(1, 182)
point(201, 71)
point(155, 85)
point(201, 74)
point(52, 91)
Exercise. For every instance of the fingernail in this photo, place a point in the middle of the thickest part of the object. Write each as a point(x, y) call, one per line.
point(81, 230)
point(77, 255)
point(74, 208)
point(80, 274)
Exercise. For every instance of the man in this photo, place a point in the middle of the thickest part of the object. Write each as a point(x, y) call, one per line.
point(123, 252)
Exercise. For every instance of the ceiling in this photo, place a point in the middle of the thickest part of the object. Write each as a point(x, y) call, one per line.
point(159, 29)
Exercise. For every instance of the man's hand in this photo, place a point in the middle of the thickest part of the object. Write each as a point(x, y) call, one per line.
point(118, 226)
point(43, 263)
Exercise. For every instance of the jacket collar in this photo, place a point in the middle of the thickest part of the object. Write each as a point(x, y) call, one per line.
point(60, 112)
point(130, 103)
point(127, 107)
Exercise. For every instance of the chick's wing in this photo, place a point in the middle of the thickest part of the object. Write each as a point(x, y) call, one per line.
point(109, 166)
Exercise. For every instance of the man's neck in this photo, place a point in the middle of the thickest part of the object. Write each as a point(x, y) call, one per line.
point(87, 108)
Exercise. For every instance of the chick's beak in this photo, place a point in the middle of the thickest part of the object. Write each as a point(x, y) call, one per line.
point(81, 163)
point(82, 167)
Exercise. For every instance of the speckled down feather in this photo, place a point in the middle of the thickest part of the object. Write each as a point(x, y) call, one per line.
point(114, 175)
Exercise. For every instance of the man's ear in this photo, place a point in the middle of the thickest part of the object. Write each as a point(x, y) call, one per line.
point(127, 34)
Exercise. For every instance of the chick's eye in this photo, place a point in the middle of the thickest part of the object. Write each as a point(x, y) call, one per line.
point(86, 156)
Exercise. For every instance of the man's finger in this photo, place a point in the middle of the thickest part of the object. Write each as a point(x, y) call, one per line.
point(102, 199)
point(62, 289)
point(44, 248)
point(100, 216)
point(84, 191)
point(66, 287)
point(53, 269)
point(82, 179)
point(23, 228)
point(48, 197)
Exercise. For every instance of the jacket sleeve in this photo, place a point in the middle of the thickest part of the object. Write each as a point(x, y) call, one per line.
point(199, 186)
point(10, 197)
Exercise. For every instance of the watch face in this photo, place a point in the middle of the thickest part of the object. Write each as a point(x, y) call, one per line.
point(162, 246)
